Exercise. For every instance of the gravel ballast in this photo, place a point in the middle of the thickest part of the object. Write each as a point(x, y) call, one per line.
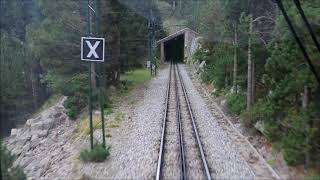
point(135, 145)
point(171, 167)
point(224, 160)
point(194, 163)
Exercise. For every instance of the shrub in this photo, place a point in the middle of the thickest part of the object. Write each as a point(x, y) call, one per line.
point(236, 103)
point(7, 171)
point(272, 131)
point(249, 117)
point(294, 148)
point(75, 87)
point(263, 110)
point(98, 154)
point(74, 105)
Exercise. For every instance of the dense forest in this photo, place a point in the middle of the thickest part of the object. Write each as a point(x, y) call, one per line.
point(254, 61)
point(40, 51)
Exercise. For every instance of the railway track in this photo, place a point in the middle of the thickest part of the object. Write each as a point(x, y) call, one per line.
point(181, 155)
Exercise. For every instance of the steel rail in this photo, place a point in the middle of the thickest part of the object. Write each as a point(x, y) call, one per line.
point(163, 127)
point(182, 154)
point(204, 162)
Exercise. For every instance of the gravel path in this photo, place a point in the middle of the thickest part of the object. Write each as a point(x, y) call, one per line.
point(222, 155)
point(135, 144)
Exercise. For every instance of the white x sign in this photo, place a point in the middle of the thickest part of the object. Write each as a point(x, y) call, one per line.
point(93, 49)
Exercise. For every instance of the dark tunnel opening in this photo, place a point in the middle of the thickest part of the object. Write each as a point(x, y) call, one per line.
point(174, 49)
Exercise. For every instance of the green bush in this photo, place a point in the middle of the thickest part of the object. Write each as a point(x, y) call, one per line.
point(236, 103)
point(7, 171)
point(294, 148)
point(76, 90)
point(263, 110)
point(249, 117)
point(98, 154)
point(272, 131)
point(74, 104)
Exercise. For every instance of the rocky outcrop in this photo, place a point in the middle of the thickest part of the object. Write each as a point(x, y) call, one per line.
point(43, 143)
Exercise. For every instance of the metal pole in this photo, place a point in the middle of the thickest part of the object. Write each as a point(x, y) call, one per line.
point(101, 96)
point(102, 114)
point(90, 82)
point(150, 43)
point(90, 107)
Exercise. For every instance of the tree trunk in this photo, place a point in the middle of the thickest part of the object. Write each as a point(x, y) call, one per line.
point(235, 60)
point(38, 90)
point(305, 103)
point(117, 54)
point(249, 83)
point(34, 90)
point(226, 74)
point(253, 81)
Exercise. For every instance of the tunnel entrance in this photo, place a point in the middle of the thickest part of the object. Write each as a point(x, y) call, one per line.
point(174, 49)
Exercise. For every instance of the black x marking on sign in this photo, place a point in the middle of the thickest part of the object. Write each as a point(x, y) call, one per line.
point(92, 49)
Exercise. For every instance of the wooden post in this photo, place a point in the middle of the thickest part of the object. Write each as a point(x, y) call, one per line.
point(162, 58)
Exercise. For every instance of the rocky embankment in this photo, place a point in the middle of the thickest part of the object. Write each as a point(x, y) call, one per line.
point(42, 144)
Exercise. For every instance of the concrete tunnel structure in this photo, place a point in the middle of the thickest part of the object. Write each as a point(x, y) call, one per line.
point(177, 46)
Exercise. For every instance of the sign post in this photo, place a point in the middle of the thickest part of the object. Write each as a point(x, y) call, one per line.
point(92, 50)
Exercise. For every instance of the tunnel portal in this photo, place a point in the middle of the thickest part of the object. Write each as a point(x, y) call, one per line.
point(174, 49)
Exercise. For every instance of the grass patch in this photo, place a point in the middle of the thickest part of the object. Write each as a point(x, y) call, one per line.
point(52, 100)
point(271, 162)
point(134, 78)
point(129, 80)
point(313, 177)
point(137, 76)
point(118, 117)
point(98, 154)
point(112, 125)
point(84, 126)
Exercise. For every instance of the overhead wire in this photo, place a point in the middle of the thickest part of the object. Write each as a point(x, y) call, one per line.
point(301, 46)
point(314, 38)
